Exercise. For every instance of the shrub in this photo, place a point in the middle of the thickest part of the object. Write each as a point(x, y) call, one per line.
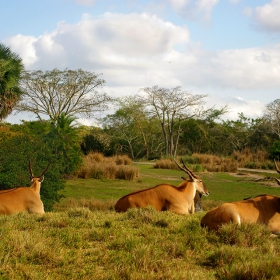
point(123, 159)
point(15, 153)
point(97, 166)
point(165, 164)
point(275, 150)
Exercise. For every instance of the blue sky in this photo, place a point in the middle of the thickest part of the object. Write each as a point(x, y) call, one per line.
point(228, 49)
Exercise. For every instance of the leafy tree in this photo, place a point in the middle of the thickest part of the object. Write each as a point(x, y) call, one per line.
point(133, 107)
point(15, 153)
point(272, 116)
point(121, 127)
point(71, 92)
point(91, 144)
point(65, 143)
point(97, 140)
point(11, 68)
point(275, 150)
point(171, 107)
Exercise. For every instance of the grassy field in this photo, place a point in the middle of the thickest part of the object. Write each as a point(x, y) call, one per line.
point(79, 242)
point(223, 187)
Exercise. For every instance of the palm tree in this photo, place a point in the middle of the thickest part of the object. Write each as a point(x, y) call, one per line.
point(11, 67)
point(65, 142)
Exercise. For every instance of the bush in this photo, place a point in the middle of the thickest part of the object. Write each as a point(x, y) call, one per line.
point(97, 166)
point(15, 154)
point(165, 164)
point(275, 150)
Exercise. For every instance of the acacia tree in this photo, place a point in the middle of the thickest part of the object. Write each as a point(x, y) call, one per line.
point(171, 107)
point(71, 92)
point(11, 68)
point(134, 108)
point(121, 127)
point(272, 116)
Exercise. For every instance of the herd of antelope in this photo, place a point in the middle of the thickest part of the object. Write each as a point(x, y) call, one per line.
point(263, 209)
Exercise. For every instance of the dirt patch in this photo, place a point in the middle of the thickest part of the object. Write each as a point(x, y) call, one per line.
point(255, 177)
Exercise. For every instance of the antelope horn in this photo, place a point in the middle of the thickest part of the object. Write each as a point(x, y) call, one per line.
point(277, 180)
point(45, 170)
point(276, 166)
point(188, 169)
point(30, 170)
point(185, 169)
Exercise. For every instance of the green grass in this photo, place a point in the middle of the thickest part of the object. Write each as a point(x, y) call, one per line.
point(78, 243)
point(138, 244)
point(223, 187)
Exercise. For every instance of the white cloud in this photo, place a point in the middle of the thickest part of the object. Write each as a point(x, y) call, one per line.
point(139, 50)
point(196, 10)
point(24, 46)
point(88, 3)
point(268, 15)
point(234, 1)
point(247, 11)
point(251, 108)
point(143, 50)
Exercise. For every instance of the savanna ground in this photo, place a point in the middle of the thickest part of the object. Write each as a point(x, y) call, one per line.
point(84, 238)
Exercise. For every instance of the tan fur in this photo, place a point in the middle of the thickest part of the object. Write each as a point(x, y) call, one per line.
point(164, 197)
point(264, 209)
point(23, 198)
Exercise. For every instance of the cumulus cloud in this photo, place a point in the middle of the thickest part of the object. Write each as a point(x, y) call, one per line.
point(141, 49)
point(252, 108)
point(194, 10)
point(268, 15)
point(88, 3)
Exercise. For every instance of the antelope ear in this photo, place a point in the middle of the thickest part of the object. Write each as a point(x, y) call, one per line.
point(41, 179)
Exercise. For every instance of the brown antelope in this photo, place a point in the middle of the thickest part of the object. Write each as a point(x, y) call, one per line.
point(263, 209)
point(23, 198)
point(164, 197)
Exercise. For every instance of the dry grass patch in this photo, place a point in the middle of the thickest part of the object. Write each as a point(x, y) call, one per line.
point(256, 160)
point(165, 164)
point(97, 166)
point(214, 163)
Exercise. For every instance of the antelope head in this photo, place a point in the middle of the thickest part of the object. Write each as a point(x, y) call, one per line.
point(39, 178)
point(199, 185)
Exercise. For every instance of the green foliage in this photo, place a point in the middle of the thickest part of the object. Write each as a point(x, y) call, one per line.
point(64, 140)
point(275, 150)
point(10, 71)
point(92, 144)
point(15, 154)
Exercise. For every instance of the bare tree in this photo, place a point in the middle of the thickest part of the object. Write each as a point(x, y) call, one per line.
point(72, 92)
point(272, 116)
point(171, 107)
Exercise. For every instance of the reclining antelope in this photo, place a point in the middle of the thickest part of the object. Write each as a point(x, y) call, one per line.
point(164, 197)
point(20, 199)
point(263, 209)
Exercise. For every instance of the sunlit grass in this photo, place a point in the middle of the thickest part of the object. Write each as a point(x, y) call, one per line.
point(84, 238)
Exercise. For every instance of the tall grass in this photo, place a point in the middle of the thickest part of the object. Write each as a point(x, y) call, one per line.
point(138, 244)
point(256, 160)
point(201, 162)
point(97, 166)
point(212, 163)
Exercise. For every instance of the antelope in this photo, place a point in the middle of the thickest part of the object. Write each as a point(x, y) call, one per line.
point(21, 199)
point(263, 209)
point(164, 197)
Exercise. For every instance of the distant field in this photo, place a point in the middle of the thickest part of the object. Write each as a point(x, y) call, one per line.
point(223, 187)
